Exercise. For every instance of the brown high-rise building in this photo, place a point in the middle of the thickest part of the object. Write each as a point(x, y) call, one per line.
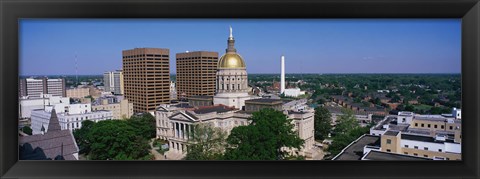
point(146, 78)
point(196, 73)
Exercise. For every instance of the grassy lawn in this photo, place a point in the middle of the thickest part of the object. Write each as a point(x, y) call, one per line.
point(422, 107)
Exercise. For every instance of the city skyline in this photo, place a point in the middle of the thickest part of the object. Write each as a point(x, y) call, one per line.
point(309, 46)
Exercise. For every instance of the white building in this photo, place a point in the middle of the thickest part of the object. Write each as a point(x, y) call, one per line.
point(293, 92)
point(70, 116)
point(173, 91)
point(457, 113)
point(113, 81)
point(35, 88)
point(174, 122)
point(27, 105)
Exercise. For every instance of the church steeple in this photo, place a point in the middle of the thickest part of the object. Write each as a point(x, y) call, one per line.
point(231, 42)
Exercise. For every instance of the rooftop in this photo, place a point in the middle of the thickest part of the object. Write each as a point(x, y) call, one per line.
point(378, 155)
point(53, 143)
point(264, 100)
point(391, 133)
point(423, 138)
point(209, 109)
point(200, 97)
point(296, 112)
point(355, 150)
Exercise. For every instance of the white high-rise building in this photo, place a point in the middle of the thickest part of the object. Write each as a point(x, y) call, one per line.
point(35, 88)
point(282, 76)
point(113, 81)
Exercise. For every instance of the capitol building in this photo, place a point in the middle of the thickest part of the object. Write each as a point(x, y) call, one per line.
point(231, 106)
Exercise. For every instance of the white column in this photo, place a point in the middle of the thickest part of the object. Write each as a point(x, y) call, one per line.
point(176, 129)
point(183, 131)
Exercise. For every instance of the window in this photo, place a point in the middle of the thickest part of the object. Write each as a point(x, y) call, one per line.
point(428, 125)
point(443, 127)
point(416, 147)
point(435, 126)
point(440, 150)
point(423, 125)
point(425, 148)
point(415, 154)
point(451, 127)
point(406, 146)
point(388, 150)
point(425, 156)
point(416, 124)
point(389, 141)
point(406, 153)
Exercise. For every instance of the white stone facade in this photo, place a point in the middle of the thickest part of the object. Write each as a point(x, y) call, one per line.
point(67, 121)
point(28, 105)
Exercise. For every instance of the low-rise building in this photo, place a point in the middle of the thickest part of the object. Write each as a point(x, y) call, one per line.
point(120, 108)
point(253, 105)
point(70, 116)
point(407, 135)
point(293, 92)
point(174, 122)
point(27, 105)
point(78, 92)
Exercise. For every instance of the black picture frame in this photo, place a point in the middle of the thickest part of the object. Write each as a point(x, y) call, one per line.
point(11, 11)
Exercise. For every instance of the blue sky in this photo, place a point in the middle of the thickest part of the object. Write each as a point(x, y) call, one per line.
point(48, 47)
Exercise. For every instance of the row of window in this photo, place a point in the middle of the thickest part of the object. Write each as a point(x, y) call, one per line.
point(434, 126)
point(424, 148)
point(145, 55)
point(188, 58)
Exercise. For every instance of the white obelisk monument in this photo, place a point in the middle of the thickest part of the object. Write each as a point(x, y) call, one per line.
point(282, 76)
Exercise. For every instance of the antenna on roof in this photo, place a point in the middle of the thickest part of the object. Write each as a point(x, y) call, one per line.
point(76, 68)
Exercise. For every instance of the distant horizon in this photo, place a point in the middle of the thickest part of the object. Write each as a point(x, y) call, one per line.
point(313, 46)
point(287, 74)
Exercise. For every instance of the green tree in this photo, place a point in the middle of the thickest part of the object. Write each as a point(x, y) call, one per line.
point(206, 143)
point(409, 108)
point(264, 138)
point(322, 123)
point(81, 136)
point(116, 140)
point(345, 122)
point(27, 130)
point(395, 99)
point(144, 125)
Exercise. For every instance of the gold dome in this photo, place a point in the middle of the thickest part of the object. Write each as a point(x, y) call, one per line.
point(231, 60)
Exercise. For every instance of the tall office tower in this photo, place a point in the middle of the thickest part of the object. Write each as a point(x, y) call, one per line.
point(282, 76)
point(34, 88)
point(196, 73)
point(146, 78)
point(113, 82)
point(56, 87)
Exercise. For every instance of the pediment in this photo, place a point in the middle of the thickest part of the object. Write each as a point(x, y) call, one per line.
point(181, 117)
